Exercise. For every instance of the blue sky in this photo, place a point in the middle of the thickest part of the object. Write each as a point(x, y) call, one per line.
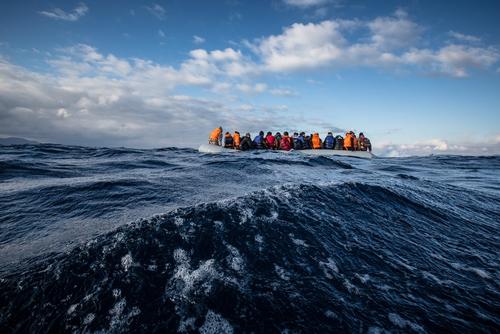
point(418, 77)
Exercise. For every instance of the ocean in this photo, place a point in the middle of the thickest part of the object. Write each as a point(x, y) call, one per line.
point(121, 240)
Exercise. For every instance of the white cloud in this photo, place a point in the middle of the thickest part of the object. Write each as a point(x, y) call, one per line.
point(438, 147)
point(252, 89)
point(198, 40)
point(282, 92)
point(306, 3)
point(395, 32)
point(302, 46)
point(157, 11)
point(384, 42)
point(59, 14)
point(98, 99)
point(161, 33)
point(464, 38)
point(453, 60)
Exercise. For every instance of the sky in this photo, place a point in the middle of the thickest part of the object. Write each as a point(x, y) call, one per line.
point(417, 77)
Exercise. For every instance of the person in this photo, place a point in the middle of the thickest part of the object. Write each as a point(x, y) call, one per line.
point(298, 141)
point(228, 140)
point(277, 140)
point(236, 140)
point(259, 141)
point(286, 142)
point(364, 143)
point(246, 143)
point(307, 142)
point(216, 137)
point(348, 142)
point(355, 142)
point(339, 142)
point(316, 141)
point(270, 141)
point(329, 142)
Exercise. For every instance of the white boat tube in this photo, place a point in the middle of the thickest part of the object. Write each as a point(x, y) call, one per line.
point(210, 148)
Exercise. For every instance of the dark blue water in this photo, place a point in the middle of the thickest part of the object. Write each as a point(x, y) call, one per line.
point(166, 240)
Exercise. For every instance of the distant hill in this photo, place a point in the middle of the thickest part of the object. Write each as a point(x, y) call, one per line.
point(16, 141)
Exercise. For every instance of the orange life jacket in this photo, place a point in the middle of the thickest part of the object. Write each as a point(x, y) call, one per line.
point(236, 140)
point(316, 141)
point(215, 134)
point(347, 141)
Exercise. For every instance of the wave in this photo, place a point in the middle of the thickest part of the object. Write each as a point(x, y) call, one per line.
point(296, 257)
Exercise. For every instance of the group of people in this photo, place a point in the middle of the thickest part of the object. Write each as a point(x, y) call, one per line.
point(299, 141)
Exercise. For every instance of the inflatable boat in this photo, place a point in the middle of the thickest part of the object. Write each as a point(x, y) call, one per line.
point(209, 148)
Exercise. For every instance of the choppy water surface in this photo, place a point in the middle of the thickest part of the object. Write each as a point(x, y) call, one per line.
point(122, 240)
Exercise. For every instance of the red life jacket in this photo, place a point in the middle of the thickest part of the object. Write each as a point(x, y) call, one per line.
point(285, 143)
point(270, 141)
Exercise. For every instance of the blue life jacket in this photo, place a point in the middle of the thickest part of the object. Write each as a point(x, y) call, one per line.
point(329, 142)
point(258, 141)
point(298, 143)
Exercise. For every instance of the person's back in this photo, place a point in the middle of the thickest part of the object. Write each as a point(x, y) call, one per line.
point(339, 142)
point(298, 142)
point(329, 142)
point(246, 143)
point(348, 141)
point(258, 141)
point(355, 142)
point(215, 137)
point(286, 142)
point(270, 141)
point(228, 140)
point(316, 141)
point(277, 140)
point(307, 143)
point(236, 140)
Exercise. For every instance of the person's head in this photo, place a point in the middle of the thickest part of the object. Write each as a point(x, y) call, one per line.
point(236, 132)
point(361, 134)
point(295, 134)
point(302, 133)
point(269, 133)
point(278, 134)
point(285, 133)
point(220, 128)
point(330, 133)
point(247, 135)
point(261, 133)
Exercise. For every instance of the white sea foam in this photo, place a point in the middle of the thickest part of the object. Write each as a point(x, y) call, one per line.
point(88, 318)
point(234, 259)
point(259, 238)
point(215, 324)
point(363, 278)
point(397, 320)
point(71, 309)
point(126, 262)
point(297, 241)
point(329, 267)
point(281, 273)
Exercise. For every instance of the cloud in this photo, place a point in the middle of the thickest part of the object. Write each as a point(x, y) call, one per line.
point(452, 60)
point(198, 40)
point(389, 33)
point(157, 11)
point(252, 89)
point(306, 3)
point(95, 99)
point(59, 14)
point(464, 38)
point(161, 33)
point(283, 92)
point(391, 43)
point(439, 147)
